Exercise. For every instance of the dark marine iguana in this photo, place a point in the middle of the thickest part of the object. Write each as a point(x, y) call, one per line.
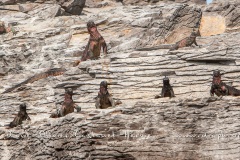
point(20, 117)
point(167, 90)
point(186, 42)
point(104, 99)
point(220, 88)
point(50, 72)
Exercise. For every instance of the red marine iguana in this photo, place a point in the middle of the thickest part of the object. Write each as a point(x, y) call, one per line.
point(220, 88)
point(104, 98)
point(95, 43)
point(67, 106)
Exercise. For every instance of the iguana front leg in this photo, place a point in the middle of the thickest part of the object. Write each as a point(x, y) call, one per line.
point(104, 46)
point(172, 93)
point(97, 104)
point(78, 108)
point(195, 42)
point(157, 96)
point(212, 91)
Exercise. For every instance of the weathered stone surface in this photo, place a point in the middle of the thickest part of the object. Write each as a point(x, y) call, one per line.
point(26, 7)
point(221, 17)
point(144, 2)
point(104, 3)
point(190, 126)
point(56, 8)
point(6, 2)
point(73, 7)
point(221, 1)
point(43, 35)
point(176, 129)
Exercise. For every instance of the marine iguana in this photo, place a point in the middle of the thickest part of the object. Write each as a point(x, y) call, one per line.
point(223, 89)
point(104, 99)
point(21, 116)
point(67, 106)
point(50, 72)
point(94, 45)
point(186, 42)
point(167, 90)
point(220, 88)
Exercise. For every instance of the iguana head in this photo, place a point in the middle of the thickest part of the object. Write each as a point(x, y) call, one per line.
point(165, 81)
point(216, 73)
point(103, 87)
point(195, 33)
point(23, 107)
point(69, 91)
point(91, 26)
point(216, 77)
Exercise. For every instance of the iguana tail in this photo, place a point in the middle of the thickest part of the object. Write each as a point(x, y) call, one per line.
point(50, 72)
point(233, 91)
point(163, 46)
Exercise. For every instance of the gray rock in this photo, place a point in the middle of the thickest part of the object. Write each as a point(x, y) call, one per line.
point(188, 126)
point(73, 7)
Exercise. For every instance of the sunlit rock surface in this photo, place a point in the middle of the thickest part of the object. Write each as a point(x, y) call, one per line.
point(192, 125)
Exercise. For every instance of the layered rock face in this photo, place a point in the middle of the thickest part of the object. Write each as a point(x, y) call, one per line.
point(102, 3)
point(221, 17)
point(134, 2)
point(63, 7)
point(73, 7)
point(192, 125)
point(167, 129)
point(222, 1)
